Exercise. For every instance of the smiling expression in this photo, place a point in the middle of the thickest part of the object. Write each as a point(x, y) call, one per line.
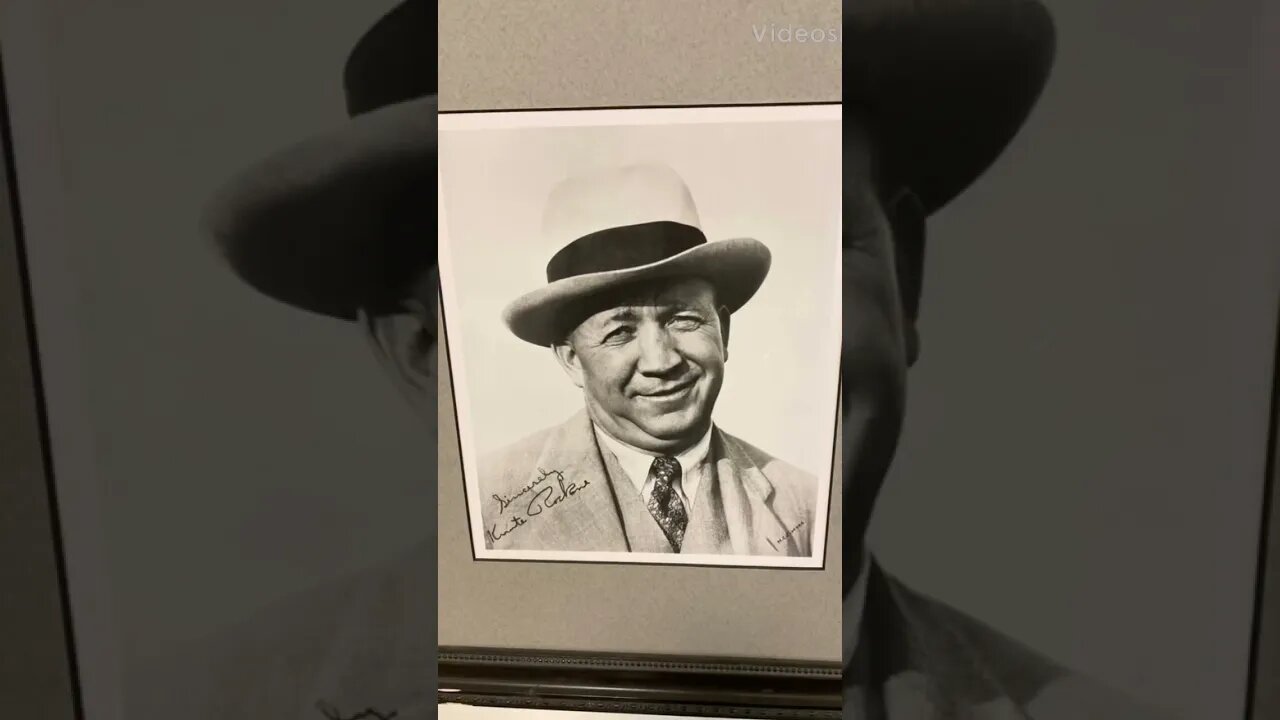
point(651, 363)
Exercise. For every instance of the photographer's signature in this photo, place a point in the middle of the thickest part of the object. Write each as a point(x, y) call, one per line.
point(546, 492)
point(333, 713)
point(785, 536)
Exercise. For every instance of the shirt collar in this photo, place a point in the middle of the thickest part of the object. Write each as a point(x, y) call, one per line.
point(854, 605)
point(636, 462)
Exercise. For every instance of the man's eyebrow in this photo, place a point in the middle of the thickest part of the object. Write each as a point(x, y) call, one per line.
point(676, 305)
point(623, 314)
point(666, 306)
point(684, 306)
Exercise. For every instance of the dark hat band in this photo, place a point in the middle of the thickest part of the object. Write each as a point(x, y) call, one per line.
point(623, 247)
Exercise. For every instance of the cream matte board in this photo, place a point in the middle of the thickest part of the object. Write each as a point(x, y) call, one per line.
point(537, 54)
point(509, 54)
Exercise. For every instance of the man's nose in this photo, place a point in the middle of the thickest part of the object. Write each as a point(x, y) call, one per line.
point(658, 355)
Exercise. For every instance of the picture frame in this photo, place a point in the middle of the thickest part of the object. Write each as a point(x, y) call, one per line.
point(640, 684)
point(606, 679)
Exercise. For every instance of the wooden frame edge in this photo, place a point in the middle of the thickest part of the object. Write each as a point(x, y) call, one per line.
point(637, 683)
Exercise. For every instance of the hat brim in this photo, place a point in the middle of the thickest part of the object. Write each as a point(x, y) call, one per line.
point(736, 268)
point(309, 225)
point(944, 84)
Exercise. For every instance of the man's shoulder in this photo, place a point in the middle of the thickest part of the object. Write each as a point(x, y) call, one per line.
point(784, 476)
point(509, 466)
point(970, 654)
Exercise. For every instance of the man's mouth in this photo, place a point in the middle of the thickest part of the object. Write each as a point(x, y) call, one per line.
point(670, 391)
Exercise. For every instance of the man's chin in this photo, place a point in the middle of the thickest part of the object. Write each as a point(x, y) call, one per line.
point(675, 432)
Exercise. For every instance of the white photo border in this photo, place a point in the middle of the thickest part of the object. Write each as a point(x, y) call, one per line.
point(461, 121)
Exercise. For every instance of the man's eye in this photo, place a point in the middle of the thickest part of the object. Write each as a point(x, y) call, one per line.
point(686, 322)
point(621, 334)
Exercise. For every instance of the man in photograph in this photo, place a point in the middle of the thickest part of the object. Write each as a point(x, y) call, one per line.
point(636, 311)
point(935, 91)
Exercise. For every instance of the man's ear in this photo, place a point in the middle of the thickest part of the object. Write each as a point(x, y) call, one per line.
point(907, 219)
point(569, 361)
point(723, 312)
point(405, 345)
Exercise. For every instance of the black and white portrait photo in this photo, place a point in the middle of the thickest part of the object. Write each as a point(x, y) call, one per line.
point(642, 326)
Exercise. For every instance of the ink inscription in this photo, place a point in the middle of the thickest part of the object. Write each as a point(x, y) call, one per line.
point(545, 493)
point(785, 536)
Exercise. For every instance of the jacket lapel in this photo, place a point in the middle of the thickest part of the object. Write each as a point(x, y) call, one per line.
point(745, 493)
point(708, 533)
point(573, 507)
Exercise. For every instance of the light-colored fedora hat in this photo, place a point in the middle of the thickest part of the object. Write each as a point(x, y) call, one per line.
point(622, 226)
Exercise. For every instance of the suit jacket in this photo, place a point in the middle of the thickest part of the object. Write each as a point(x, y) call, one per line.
point(921, 660)
point(559, 490)
point(362, 642)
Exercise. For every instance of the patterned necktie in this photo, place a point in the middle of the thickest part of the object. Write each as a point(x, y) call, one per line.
point(664, 503)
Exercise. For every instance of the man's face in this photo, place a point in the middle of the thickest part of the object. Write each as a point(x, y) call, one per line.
point(873, 359)
point(651, 364)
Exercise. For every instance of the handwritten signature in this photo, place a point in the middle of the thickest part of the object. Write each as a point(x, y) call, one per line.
point(333, 713)
point(504, 501)
point(494, 534)
point(785, 535)
point(545, 498)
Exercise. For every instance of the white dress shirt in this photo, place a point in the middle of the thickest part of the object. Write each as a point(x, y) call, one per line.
point(854, 604)
point(636, 464)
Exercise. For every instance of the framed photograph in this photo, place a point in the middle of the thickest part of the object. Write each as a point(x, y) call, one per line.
point(592, 263)
point(594, 356)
